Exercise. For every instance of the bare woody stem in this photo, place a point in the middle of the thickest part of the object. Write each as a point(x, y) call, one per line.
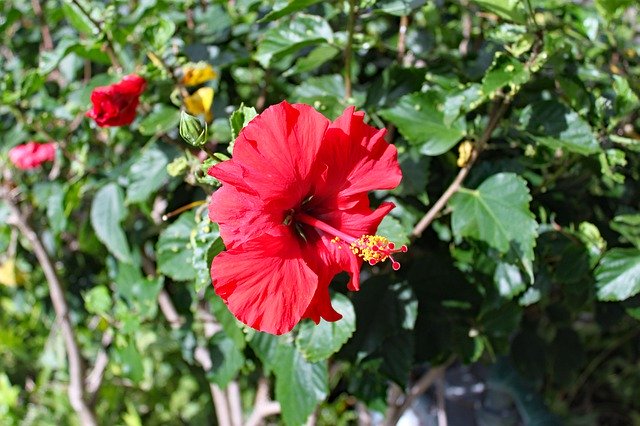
point(77, 392)
point(395, 410)
point(348, 51)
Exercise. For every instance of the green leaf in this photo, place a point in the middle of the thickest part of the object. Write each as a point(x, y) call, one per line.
point(618, 274)
point(290, 36)
point(611, 8)
point(291, 7)
point(147, 173)
point(509, 280)
point(325, 93)
point(140, 293)
point(160, 33)
point(505, 71)
point(393, 230)
point(240, 118)
point(78, 19)
point(421, 121)
point(300, 384)
point(207, 244)
point(628, 225)
point(227, 360)
point(319, 342)
point(98, 300)
point(163, 119)
point(174, 250)
point(626, 100)
point(130, 361)
point(316, 58)
point(49, 60)
point(231, 326)
point(107, 211)
point(496, 213)
point(558, 126)
point(530, 405)
point(398, 7)
point(266, 347)
point(55, 209)
point(507, 9)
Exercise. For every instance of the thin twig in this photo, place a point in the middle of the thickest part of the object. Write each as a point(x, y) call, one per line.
point(398, 407)
point(47, 41)
point(441, 403)
point(402, 38)
point(235, 404)
point(349, 49)
point(262, 407)
point(76, 390)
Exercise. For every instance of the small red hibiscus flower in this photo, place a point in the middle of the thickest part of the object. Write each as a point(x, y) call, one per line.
point(294, 211)
point(32, 154)
point(115, 105)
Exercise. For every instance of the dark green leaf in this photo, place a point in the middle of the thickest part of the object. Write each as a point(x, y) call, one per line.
point(420, 120)
point(319, 342)
point(497, 212)
point(163, 119)
point(240, 118)
point(227, 360)
point(107, 212)
point(300, 384)
point(290, 36)
point(618, 274)
point(557, 126)
point(174, 250)
point(147, 173)
point(291, 7)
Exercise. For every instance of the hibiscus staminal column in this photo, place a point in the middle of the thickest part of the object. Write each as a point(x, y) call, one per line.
point(371, 248)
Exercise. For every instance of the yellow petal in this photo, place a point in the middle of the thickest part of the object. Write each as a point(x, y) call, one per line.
point(200, 102)
point(198, 73)
point(8, 273)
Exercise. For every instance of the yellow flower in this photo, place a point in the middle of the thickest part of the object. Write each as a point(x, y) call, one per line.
point(8, 275)
point(200, 103)
point(197, 73)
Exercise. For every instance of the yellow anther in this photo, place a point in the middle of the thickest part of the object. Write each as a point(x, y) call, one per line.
point(374, 249)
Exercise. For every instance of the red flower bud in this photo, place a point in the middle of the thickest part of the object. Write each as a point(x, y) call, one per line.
point(115, 105)
point(32, 154)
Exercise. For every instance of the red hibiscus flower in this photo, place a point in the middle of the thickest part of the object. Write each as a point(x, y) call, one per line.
point(115, 105)
point(293, 212)
point(32, 154)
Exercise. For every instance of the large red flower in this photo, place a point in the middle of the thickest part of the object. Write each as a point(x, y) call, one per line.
point(32, 154)
point(293, 212)
point(115, 105)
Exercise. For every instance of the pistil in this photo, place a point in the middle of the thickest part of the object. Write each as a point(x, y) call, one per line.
point(372, 248)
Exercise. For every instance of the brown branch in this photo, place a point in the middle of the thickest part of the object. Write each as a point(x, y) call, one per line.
point(349, 49)
point(76, 389)
point(433, 212)
point(47, 41)
point(401, 404)
point(263, 406)
point(402, 38)
point(235, 403)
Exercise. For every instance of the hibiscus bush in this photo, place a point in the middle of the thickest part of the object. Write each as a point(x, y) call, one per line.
point(302, 212)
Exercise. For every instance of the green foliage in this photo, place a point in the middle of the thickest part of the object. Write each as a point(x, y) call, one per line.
point(525, 112)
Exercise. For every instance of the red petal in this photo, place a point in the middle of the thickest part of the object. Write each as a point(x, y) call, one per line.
point(265, 282)
point(358, 158)
point(274, 154)
point(320, 306)
point(241, 216)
